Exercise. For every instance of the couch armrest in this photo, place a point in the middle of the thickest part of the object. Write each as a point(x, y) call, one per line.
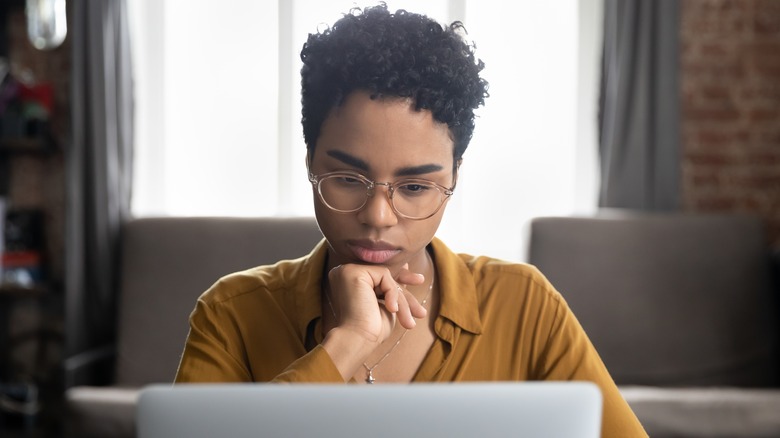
point(100, 412)
point(705, 412)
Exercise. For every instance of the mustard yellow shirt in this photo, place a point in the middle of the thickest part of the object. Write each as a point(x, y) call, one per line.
point(497, 321)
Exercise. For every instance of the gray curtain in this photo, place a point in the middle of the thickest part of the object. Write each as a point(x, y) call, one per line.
point(99, 162)
point(639, 134)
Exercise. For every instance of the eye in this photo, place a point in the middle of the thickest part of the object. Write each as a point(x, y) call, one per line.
point(348, 180)
point(414, 189)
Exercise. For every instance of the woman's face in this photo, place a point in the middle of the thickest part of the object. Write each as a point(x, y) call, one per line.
point(385, 140)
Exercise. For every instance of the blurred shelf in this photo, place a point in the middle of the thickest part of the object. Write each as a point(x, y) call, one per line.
point(23, 145)
point(15, 291)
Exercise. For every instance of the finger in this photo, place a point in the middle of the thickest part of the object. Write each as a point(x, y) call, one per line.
point(405, 276)
point(391, 317)
point(416, 308)
point(404, 314)
point(392, 296)
point(389, 291)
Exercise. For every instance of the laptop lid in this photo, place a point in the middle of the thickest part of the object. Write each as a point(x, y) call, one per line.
point(529, 409)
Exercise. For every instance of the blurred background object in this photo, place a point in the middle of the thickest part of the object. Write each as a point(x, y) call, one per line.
point(47, 23)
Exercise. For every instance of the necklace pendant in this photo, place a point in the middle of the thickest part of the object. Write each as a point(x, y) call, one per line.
point(370, 379)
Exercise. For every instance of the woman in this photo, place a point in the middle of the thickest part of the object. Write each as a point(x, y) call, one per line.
point(388, 103)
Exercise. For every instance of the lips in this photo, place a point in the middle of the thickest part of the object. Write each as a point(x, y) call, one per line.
point(373, 252)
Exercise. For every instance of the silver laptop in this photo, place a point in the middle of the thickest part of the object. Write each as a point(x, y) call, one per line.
point(524, 409)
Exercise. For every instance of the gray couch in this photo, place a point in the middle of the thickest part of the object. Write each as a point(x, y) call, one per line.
point(679, 306)
point(682, 309)
point(166, 263)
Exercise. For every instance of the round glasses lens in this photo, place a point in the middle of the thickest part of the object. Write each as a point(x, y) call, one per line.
point(417, 199)
point(343, 192)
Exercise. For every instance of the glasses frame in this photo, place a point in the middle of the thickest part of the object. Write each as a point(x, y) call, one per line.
point(370, 190)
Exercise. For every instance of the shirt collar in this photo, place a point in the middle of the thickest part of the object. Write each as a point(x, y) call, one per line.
point(458, 289)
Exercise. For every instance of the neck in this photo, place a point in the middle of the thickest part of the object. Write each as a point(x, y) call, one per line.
point(426, 268)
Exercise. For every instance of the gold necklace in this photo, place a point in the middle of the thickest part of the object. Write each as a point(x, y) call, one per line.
point(370, 379)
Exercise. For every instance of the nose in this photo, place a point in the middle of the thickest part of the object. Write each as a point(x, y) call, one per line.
point(378, 212)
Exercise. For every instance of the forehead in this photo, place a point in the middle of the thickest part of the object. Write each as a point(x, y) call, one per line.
point(384, 131)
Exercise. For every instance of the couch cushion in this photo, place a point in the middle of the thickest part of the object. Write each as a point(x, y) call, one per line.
point(168, 262)
point(99, 412)
point(667, 299)
point(706, 412)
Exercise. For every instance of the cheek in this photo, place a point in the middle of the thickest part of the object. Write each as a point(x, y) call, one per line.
point(322, 214)
point(434, 223)
point(330, 223)
point(427, 229)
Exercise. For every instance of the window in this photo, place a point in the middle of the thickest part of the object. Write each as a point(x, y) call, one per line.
point(218, 113)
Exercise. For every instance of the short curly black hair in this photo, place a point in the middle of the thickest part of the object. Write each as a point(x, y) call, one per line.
point(399, 54)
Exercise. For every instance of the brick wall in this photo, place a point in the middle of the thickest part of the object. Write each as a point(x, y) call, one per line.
point(730, 80)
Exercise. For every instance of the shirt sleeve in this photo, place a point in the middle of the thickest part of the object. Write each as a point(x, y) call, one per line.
point(570, 355)
point(314, 367)
point(215, 353)
point(210, 352)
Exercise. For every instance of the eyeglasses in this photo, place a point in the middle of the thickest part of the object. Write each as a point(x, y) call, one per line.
point(347, 192)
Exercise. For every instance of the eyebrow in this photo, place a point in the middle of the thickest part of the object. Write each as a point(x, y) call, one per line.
point(418, 170)
point(362, 165)
point(349, 159)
